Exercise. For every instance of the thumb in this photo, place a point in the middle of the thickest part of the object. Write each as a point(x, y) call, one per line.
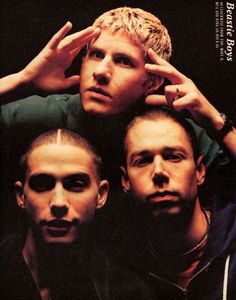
point(156, 100)
point(73, 80)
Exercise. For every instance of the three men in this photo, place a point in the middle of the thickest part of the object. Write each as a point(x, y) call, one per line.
point(181, 249)
point(114, 82)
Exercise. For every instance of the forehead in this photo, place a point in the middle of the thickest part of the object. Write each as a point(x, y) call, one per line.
point(118, 41)
point(149, 135)
point(60, 159)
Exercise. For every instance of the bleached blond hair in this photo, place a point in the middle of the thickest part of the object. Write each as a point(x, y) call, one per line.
point(142, 27)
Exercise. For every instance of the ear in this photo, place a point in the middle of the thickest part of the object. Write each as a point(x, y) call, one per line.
point(201, 171)
point(124, 179)
point(19, 191)
point(153, 83)
point(102, 193)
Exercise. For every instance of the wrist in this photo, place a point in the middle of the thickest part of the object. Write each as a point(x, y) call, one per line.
point(218, 121)
point(26, 76)
point(220, 131)
point(22, 78)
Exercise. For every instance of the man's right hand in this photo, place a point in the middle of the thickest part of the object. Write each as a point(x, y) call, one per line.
point(47, 69)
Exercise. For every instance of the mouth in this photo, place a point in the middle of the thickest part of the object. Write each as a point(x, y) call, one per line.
point(98, 91)
point(58, 228)
point(165, 196)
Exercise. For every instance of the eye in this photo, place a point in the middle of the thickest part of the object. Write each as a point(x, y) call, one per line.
point(76, 183)
point(143, 161)
point(124, 61)
point(175, 157)
point(96, 54)
point(41, 183)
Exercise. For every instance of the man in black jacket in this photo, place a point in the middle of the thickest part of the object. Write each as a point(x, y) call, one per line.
point(181, 249)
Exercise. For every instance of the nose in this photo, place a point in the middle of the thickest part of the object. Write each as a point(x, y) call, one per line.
point(59, 205)
point(102, 73)
point(159, 176)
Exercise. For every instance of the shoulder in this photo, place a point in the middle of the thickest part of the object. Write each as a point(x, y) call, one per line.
point(210, 149)
point(34, 108)
point(11, 258)
point(16, 281)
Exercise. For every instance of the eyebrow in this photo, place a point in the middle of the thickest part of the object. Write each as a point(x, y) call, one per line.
point(139, 153)
point(166, 149)
point(83, 176)
point(80, 175)
point(96, 48)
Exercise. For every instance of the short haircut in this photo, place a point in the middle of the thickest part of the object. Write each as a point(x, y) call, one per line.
point(63, 137)
point(158, 113)
point(142, 27)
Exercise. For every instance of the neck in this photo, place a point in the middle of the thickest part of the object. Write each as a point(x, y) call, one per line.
point(178, 235)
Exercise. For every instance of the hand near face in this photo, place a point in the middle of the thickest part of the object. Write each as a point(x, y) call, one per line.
point(47, 69)
point(182, 93)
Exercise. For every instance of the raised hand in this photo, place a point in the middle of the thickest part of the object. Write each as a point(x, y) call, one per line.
point(47, 69)
point(182, 93)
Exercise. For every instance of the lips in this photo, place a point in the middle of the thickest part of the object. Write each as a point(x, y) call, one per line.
point(59, 223)
point(162, 196)
point(57, 227)
point(98, 90)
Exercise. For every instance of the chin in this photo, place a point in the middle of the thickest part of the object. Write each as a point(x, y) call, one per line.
point(97, 108)
point(166, 212)
point(58, 240)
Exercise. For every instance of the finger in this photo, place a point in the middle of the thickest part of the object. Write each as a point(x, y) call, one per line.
point(55, 40)
point(156, 100)
point(175, 90)
point(163, 68)
point(168, 72)
point(70, 81)
point(156, 58)
point(172, 93)
point(79, 39)
point(186, 102)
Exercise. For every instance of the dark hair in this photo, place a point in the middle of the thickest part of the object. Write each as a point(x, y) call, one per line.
point(163, 112)
point(64, 137)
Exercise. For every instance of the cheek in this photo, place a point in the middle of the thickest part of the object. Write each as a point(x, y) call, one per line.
point(188, 182)
point(85, 71)
point(85, 207)
point(132, 83)
point(140, 184)
point(35, 208)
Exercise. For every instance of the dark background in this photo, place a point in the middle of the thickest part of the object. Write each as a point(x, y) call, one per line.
point(27, 25)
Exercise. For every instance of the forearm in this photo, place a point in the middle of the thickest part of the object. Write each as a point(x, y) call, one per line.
point(12, 82)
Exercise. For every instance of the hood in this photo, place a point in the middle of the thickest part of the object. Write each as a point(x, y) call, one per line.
point(223, 223)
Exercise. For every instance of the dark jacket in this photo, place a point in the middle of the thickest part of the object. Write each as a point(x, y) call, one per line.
point(96, 278)
point(215, 276)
